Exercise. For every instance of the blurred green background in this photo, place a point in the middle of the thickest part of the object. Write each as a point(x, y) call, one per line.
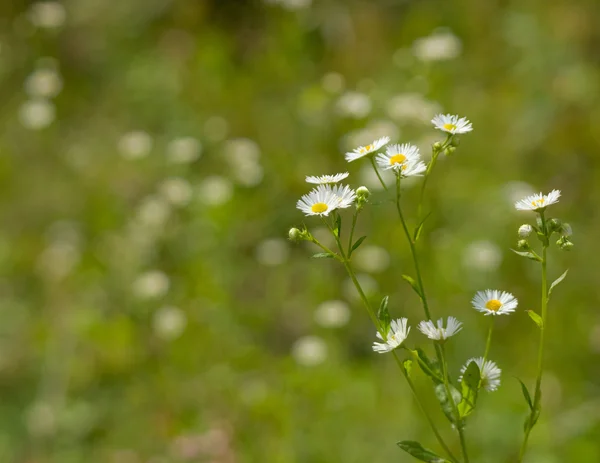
point(151, 154)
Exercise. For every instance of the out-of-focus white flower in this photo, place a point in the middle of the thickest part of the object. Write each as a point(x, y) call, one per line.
point(272, 252)
point(332, 314)
point(333, 82)
point(153, 211)
point(47, 14)
point(150, 285)
point(411, 107)
point(439, 46)
point(44, 83)
point(538, 202)
point(354, 104)
point(58, 260)
point(135, 145)
point(41, 419)
point(494, 302)
point(216, 128)
point(439, 333)
point(324, 179)
point(367, 283)
point(215, 190)
point(370, 258)
point(37, 113)
point(489, 373)
point(241, 150)
point(176, 190)
point(309, 351)
point(452, 124)
point(525, 230)
point(169, 322)
point(183, 150)
point(482, 256)
point(362, 151)
point(516, 190)
point(396, 335)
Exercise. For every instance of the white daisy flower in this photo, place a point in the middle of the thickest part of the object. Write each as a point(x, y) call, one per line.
point(397, 156)
point(452, 124)
point(538, 202)
point(489, 371)
point(362, 151)
point(439, 333)
point(411, 169)
point(320, 201)
point(324, 179)
point(398, 332)
point(494, 302)
point(345, 194)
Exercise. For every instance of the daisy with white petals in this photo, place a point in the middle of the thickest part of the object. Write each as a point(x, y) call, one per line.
point(397, 334)
point(320, 201)
point(494, 302)
point(411, 169)
point(489, 371)
point(345, 194)
point(538, 202)
point(325, 179)
point(362, 151)
point(439, 333)
point(452, 124)
point(398, 156)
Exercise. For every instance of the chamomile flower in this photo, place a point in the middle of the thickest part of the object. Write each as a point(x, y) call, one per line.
point(320, 201)
point(397, 156)
point(411, 169)
point(538, 202)
point(325, 179)
point(494, 302)
point(452, 124)
point(345, 195)
point(397, 334)
point(362, 151)
point(489, 371)
point(439, 333)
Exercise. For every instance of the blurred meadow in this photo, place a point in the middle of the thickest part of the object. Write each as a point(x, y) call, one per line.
point(152, 309)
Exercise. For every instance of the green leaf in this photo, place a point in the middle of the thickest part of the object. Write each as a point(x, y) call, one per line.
point(419, 228)
point(429, 367)
point(556, 282)
point(445, 402)
point(419, 452)
point(407, 364)
point(323, 255)
point(526, 394)
point(469, 386)
point(384, 315)
point(529, 254)
point(536, 318)
point(357, 243)
point(338, 225)
point(413, 283)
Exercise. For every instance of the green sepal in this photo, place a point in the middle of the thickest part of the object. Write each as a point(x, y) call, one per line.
point(416, 450)
point(469, 386)
point(536, 318)
point(411, 281)
point(557, 282)
point(529, 254)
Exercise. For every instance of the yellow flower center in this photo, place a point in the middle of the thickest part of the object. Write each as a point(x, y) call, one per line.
point(449, 126)
point(317, 208)
point(397, 159)
point(366, 149)
point(538, 202)
point(493, 305)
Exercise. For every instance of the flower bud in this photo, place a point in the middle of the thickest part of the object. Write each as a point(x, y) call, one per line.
point(523, 245)
point(564, 243)
point(525, 230)
point(449, 150)
point(363, 192)
point(295, 235)
point(455, 141)
point(554, 225)
point(566, 230)
point(437, 146)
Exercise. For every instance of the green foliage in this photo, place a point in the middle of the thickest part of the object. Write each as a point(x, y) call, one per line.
point(419, 452)
point(469, 386)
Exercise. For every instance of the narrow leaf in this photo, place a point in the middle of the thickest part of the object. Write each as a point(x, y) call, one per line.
point(445, 402)
point(419, 452)
point(419, 228)
point(556, 282)
point(526, 394)
point(338, 225)
point(413, 283)
point(407, 364)
point(429, 367)
point(529, 254)
point(469, 386)
point(323, 255)
point(536, 318)
point(357, 243)
point(384, 315)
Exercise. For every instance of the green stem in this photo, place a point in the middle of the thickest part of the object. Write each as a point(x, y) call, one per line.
point(434, 155)
point(354, 217)
point(534, 414)
point(489, 339)
point(377, 173)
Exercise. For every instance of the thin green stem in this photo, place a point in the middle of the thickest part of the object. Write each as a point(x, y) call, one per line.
point(354, 217)
point(434, 155)
point(377, 172)
point(489, 339)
